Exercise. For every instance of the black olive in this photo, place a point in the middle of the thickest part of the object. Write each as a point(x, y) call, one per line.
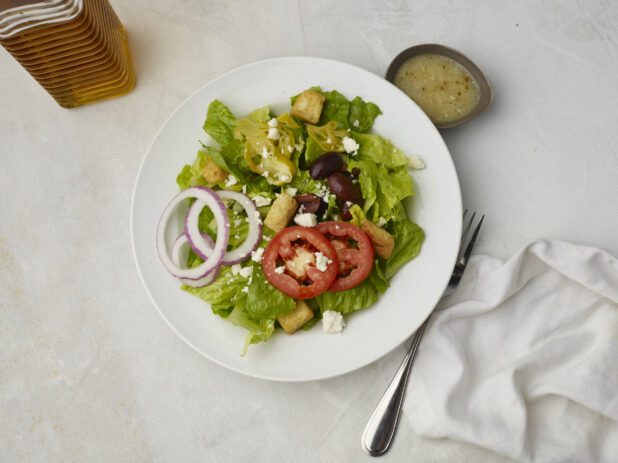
point(308, 202)
point(325, 165)
point(342, 186)
point(345, 210)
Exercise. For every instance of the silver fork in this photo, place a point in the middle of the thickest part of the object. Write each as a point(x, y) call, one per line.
point(381, 427)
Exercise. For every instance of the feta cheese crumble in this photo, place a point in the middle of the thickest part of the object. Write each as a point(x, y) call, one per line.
point(261, 201)
point(306, 219)
point(246, 272)
point(257, 255)
point(356, 123)
point(381, 222)
point(350, 146)
point(416, 162)
point(231, 180)
point(321, 261)
point(280, 270)
point(332, 322)
point(291, 191)
point(273, 133)
point(273, 122)
point(236, 268)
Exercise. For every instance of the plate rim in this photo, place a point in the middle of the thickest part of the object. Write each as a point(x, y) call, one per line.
point(132, 225)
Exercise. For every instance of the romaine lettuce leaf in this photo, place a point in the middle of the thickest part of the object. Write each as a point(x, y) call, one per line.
point(408, 241)
point(383, 180)
point(234, 155)
point(191, 175)
point(254, 309)
point(262, 333)
point(357, 114)
point(379, 150)
point(362, 115)
point(359, 297)
point(229, 158)
point(305, 184)
point(261, 115)
point(259, 331)
point(312, 151)
point(220, 123)
point(336, 108)
point(224, 293)
point(264, 300)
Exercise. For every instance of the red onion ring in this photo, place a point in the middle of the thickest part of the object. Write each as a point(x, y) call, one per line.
point(242, 252)
point(180, 242)
point(208, 198)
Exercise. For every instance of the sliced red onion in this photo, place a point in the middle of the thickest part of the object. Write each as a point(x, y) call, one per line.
point(239, 254)
point(177, 248)
point(208, 198)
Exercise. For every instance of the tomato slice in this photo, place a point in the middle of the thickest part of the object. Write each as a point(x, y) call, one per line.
point(291, 263)
point(355, 260)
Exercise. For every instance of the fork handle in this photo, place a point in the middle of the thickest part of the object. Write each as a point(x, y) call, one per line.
point(381, 427)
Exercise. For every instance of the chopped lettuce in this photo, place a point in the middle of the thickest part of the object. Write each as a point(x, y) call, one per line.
point(220, 123)
point(233, 153)
point(262, 333)
point(362, 115)
point(264, 300)
point(249, 302)
point(229, 158)
point(312, 151)
point(383, 180)
point(380, 151)
point(191, 175)
point(261, 114)
point(408, 240)
point(224, 293)
point(356, 115)
point(359, 297)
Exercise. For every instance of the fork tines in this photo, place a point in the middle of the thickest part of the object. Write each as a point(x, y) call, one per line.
point(466, 250)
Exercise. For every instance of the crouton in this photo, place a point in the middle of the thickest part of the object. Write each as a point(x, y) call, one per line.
point(383, 242)
point(295, 320)
point(308, 106)
point(280, 213)
point(213, 173)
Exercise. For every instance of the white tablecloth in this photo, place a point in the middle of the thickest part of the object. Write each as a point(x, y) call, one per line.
point(89, 371)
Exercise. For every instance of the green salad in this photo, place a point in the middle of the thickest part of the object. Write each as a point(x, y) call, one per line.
point(331, 229)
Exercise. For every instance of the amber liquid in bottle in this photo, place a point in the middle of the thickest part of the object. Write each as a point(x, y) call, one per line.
point(80, 59)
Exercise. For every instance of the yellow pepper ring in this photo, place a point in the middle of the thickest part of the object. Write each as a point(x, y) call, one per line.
point(274, 154)
point(328, 136)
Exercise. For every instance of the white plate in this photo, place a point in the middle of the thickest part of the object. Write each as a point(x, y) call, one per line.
point(370, 333)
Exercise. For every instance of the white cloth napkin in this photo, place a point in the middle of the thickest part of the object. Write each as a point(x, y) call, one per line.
point(524, 358)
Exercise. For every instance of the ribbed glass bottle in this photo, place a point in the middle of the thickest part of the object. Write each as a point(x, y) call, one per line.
point(76, 49)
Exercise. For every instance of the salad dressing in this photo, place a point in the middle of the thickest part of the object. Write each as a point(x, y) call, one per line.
point(443, 88)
